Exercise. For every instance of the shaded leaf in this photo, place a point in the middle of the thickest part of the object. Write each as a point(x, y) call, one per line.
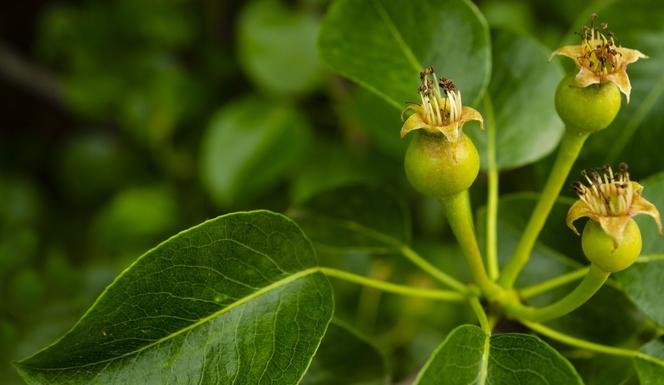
point(650, 366)
point(383, 44)
point(346, 357)
point(355, 218)
point(469, 356)
point(235, 299)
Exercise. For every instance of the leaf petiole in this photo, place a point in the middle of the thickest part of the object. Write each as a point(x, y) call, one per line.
point(535, 290)
point(481, 315)
point(592, 346)
point(389, 287)
point(432, 270)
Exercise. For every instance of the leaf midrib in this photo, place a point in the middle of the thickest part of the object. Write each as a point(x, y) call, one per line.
point(396, 35)
point(254, 295)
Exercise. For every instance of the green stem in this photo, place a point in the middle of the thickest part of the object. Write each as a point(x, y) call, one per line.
point(492, 201)
point(457, 209)
point(579, 343)
point(552, 283)
point(593, 281)
point(481, 315)
point(393, 287)
point(411, 255)
point(570, 147)
point(432, 270)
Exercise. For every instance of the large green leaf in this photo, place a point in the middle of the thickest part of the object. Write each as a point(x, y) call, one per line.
point(650, 366)
point(383, 44)
point(355, 218)
point(642, 282)
point(635, 136)
point(248, 147)
point(522, 89)
point(277, 46)
point(235, 299)
point(345, 357)
point(469, 356)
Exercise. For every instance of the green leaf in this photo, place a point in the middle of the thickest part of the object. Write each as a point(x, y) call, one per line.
point(235, 299)
point(469, 356)
point(346, 357)
point(331, 164)
point(384, 44)
point(635, 136)
point(355, 218)
point(642, 284)
point(277, 47)
point(604, 369)
point(522, 90)
point(250, 146)
point(650, 367)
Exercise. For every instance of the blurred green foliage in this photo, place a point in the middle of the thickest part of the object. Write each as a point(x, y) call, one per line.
point(175, 111)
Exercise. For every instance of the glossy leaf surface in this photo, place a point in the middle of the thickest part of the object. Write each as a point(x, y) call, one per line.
point(236, 299)
point(469, 356)
point(384, 44)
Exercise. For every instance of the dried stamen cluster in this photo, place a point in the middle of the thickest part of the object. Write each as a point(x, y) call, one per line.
point(439, 108)
point(600, 54)
point(611, 199)
point(608, 193)
point(441, 111)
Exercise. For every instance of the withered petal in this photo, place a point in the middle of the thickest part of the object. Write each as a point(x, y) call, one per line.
point(411, 107)
point(620, 79)
point(629, 56)
point(578, 210)
point(414, 122)
point(640, 205)
point(571, 51)
point(468, 114)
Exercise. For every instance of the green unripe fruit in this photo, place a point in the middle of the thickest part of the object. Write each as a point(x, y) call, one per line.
point(600, 248)
point(438, 168)
point(589, 109)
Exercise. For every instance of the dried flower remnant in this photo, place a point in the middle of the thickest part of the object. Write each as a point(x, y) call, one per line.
point(440, 112)
point(611, 199)
point(599, 59)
